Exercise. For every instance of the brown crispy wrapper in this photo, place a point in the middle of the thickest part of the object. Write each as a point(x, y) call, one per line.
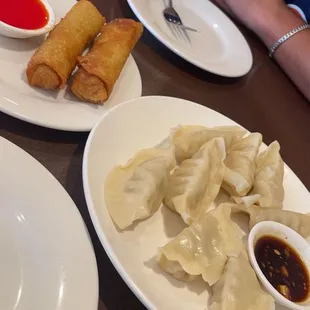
point(54, 61)
point(101, 67)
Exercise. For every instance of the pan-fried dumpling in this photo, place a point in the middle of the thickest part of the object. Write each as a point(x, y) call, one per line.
point(239, 289)
point(136, 190)
point(194, 185)
point(240, 165)
point(268, 182)
point(188, 139)
point(203, 247)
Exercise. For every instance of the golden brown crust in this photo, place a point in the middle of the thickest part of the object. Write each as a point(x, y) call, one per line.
point(45, 75)
point(64, 44)
point(88, 87)
point(107, 57)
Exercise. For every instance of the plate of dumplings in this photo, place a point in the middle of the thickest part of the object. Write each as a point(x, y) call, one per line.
point(173, 189)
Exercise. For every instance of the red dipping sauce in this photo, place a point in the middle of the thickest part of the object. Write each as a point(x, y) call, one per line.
point(24, 14)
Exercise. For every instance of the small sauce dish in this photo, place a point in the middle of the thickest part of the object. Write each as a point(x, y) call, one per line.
point(11, 30)
point(280, 258)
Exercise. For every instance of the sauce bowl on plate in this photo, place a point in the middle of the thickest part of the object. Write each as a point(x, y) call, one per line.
point(280, 258)
point(13, 23)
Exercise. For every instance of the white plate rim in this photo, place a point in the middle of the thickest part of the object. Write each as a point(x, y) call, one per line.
point(75, 214)
point(92, 210)
point(171, 46)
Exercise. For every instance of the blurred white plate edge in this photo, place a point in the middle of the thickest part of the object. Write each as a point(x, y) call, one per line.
point(47, 258)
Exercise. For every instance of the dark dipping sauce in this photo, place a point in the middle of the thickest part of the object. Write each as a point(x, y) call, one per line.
point(283, 268)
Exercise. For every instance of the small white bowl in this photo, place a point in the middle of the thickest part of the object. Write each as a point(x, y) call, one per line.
point(292, 238)
point(19, 33)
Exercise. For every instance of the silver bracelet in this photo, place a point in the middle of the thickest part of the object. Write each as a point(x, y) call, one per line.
point(286, 37)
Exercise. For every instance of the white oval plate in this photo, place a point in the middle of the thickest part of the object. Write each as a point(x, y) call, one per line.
point(47, 260)
point(52, 108)
point(219, 47)
point(143, 123)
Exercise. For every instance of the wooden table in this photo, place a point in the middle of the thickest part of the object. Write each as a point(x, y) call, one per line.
point(265, 100)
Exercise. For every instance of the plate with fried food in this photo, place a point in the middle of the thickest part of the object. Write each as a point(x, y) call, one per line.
point(68, 79)
point(174, 195)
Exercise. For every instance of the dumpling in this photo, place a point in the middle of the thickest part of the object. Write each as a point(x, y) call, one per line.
point(239, 289)
point(297, 221)
point(222, 197)
point(240, 165)
point(203, 247)
point(194, 185)
point(188, 139)
point(174, 268)
point(135, 191)
point(248, 201)
point(268, 182)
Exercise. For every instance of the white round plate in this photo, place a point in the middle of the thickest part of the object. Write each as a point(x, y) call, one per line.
point(47, 260)
point(113, 141)
point(52, 108)
point(219, 47)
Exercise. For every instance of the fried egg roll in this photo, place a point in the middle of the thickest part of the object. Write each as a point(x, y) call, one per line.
point(54, 61)
point(101, 67)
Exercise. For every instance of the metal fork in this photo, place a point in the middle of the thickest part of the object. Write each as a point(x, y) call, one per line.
point(172, 16)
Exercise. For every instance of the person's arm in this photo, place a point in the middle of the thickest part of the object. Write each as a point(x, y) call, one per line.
point(270, 20)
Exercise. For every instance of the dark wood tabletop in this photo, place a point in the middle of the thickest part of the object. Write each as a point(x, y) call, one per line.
point(264, 100)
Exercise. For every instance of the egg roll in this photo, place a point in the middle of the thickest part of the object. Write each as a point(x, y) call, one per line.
point(52, 64)
point(101, 67)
